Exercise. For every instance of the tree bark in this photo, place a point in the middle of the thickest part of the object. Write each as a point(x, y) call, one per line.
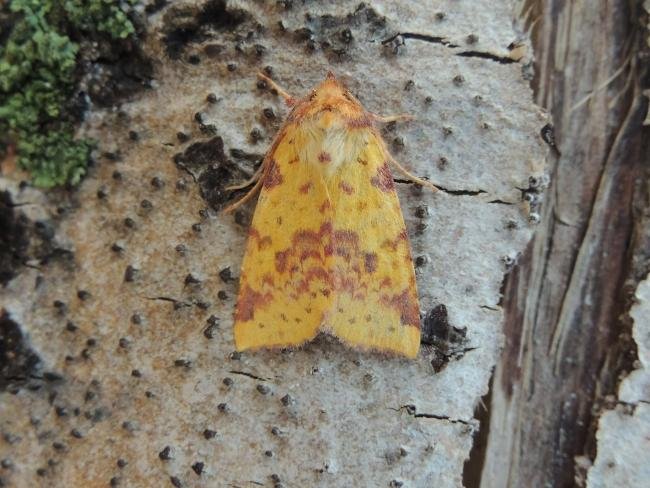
point(125, 322)
point(568, 333)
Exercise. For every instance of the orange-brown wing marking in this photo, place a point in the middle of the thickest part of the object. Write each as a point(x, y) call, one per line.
point(286, 283)
point(376, 304)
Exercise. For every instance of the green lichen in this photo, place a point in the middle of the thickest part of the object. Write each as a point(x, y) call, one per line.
point(37, 81)
point(108, 16)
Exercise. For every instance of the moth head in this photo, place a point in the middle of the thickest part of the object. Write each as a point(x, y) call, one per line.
point(333, 95)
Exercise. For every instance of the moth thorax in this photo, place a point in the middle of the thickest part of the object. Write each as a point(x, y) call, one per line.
point(330, 147)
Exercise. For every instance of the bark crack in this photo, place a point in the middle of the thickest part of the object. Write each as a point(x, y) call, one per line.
point(412, 410)
point(177, 303)
point(448, 191)
point(502, 202)
point(443, 41)
point(487, 307)
point(421, 37)
point(442, 417)
point(487, 55)
point(250, 375)
point(164, 299)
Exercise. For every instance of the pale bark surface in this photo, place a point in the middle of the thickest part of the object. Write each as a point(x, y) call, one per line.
point(624, 432)
point(322, 415)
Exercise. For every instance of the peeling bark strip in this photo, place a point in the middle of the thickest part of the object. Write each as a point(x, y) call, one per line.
point(567, 329)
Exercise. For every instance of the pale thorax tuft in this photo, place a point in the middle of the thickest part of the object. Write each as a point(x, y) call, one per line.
point(329, 143)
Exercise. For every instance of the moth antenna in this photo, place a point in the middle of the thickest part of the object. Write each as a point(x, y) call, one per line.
point(385, 119)
point(288, 99)
point(251, 193)
point(248, 182)
point(414, 178)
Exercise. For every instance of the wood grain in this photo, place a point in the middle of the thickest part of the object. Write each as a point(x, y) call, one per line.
point(567, 330)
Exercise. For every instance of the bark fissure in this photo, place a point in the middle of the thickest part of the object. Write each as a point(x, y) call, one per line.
point(572, 288)
point(412, 410)
point(443, 417)
point(249, 375)
point(487, 55)
point(502, 202)
point(473, 466)
point(443, 41)
point(449, 191)
point(421, 37)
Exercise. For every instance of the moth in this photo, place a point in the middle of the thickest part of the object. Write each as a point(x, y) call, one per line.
point(327, 249)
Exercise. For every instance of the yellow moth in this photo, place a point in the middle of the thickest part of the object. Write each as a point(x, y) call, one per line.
point(327, 250)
